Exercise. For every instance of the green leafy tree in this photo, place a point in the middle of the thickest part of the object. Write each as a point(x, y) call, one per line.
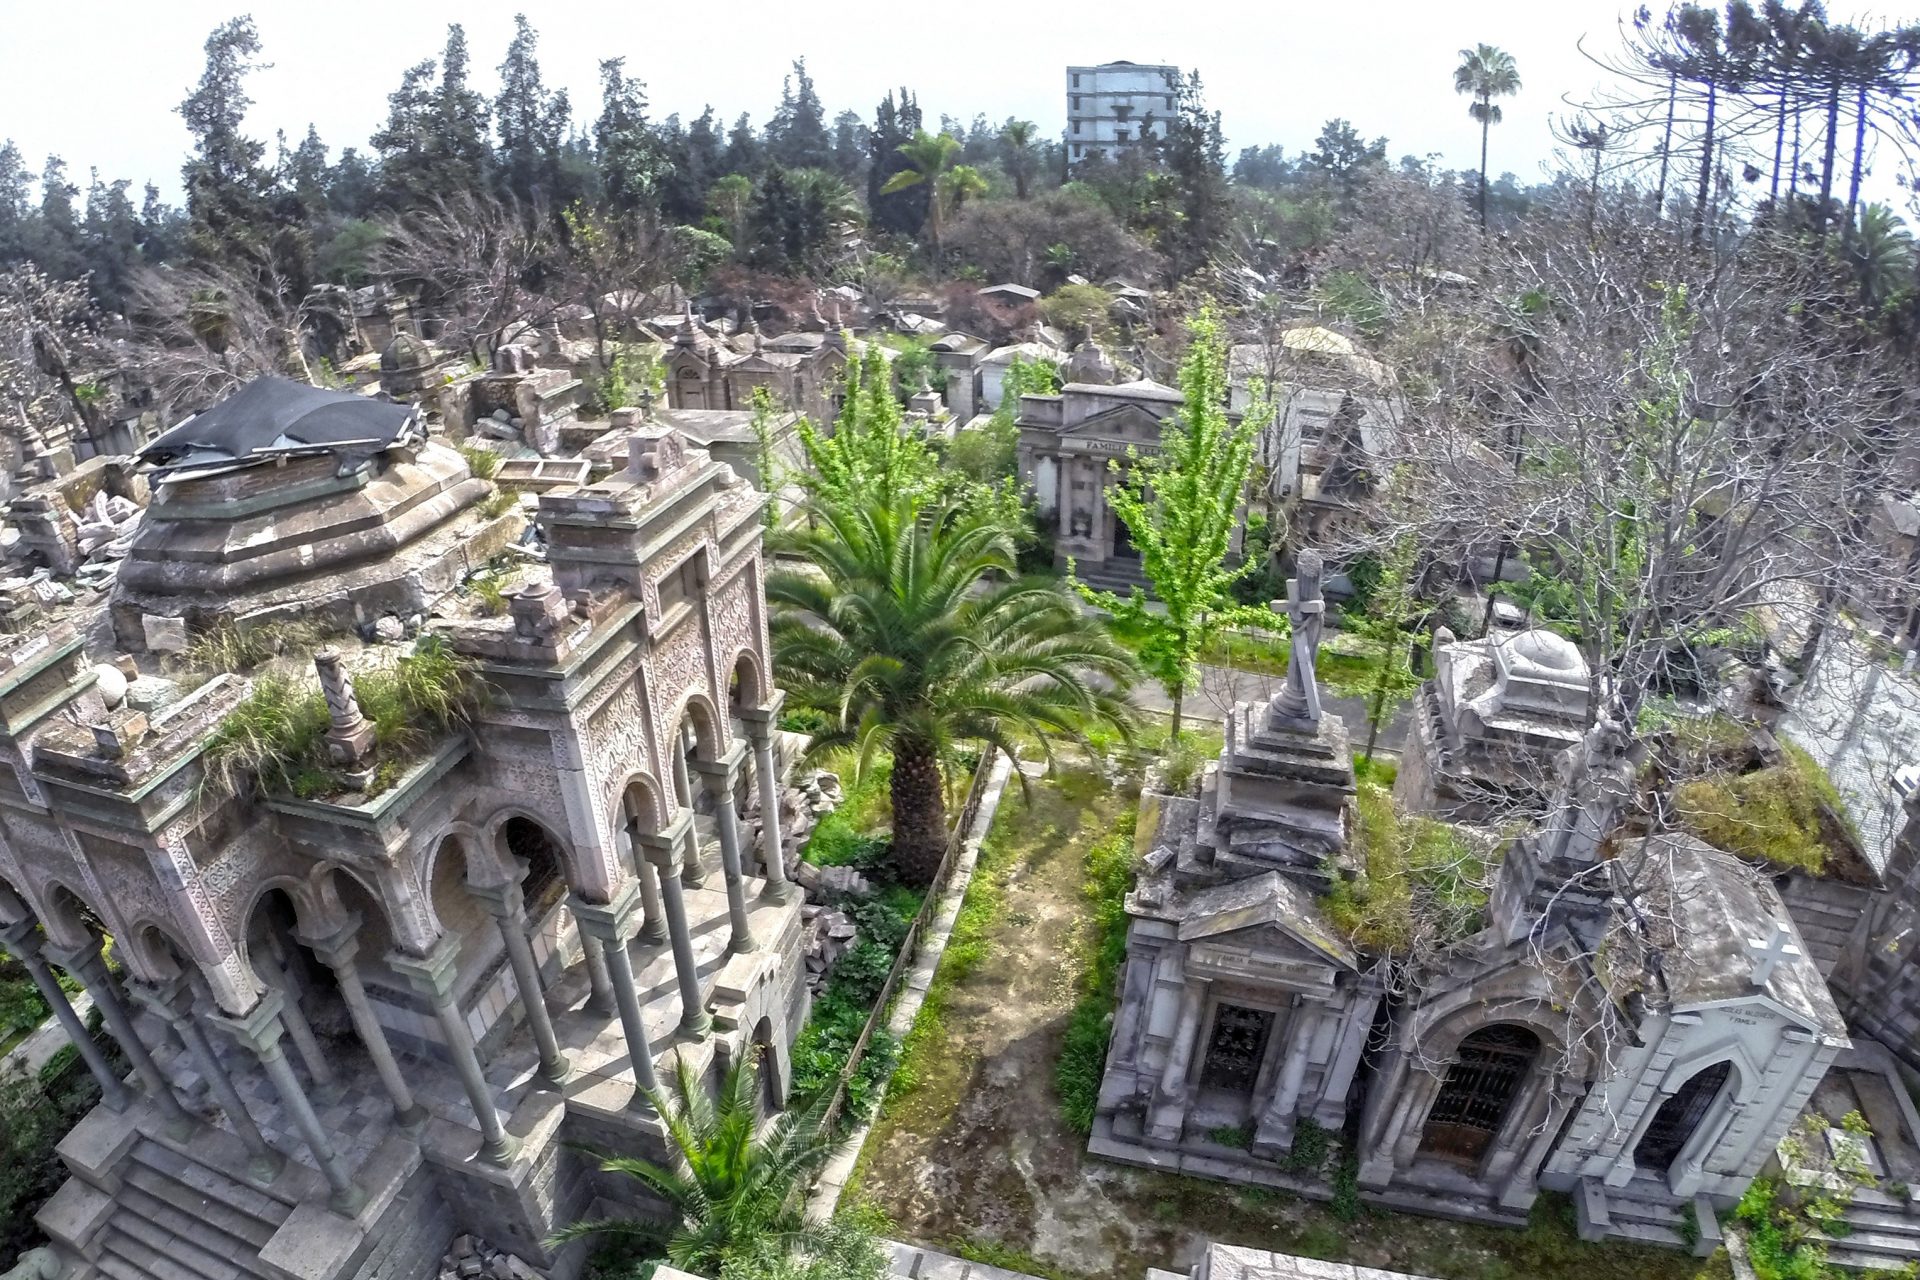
point(1485, 73)
point(729, 200)
point(1344, 159)
point(930, 159)
point(1391, 611)
point(735, 1192)
point(988, 454)
point(1181, 506)
point(869, 458)
point(911, 630)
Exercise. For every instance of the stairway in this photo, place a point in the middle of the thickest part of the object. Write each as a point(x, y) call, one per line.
point(178, 1217)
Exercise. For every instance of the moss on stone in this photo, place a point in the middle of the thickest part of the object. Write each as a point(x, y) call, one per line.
point(1784, 814)
point(1417, 876)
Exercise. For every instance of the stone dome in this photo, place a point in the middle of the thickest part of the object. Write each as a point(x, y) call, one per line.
point(1547, 650)
point(405, 352)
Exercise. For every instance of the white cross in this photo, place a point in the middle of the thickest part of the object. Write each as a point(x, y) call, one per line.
point(1768, 953)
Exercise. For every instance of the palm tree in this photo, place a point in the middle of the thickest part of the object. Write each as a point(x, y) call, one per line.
point(930, 157)
point(1882, 253)
point(735, 1191)
point(1486, 73)
point(1018, 136)
point(912, 629)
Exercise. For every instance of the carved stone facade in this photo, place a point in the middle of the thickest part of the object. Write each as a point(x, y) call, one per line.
point(469, 952)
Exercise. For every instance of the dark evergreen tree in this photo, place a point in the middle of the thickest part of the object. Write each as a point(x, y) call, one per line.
point(353, 185)
point(305, 173)
point(901, 212)
point(743, 148)
point(532, 123)
point(1342, 159)
point(163, 228)
point(1194, 154)
point(16, 206)
point(797, 135)
point(1265, 167)
point(111, 235)
point(56, 244)
point(626, 147)
point(850, 142)
point(227, 190)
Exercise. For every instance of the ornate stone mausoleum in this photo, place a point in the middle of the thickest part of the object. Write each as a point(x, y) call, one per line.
point(395, 1001)
point(1632, 1018)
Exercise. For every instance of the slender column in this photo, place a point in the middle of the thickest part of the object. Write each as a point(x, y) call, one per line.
point(273, 970)
point(1168, 1115)
point(653, 927)
point(85, 964)
point(610, 925)
point(600, 997)
point(167, 1001)
point(693, 873)
point(661, 849)
point(24, 945)
point(719, 777)
point(760, 730)
point(508, 906)
point(432, 976)
point(337, 951)
point(260, 1030)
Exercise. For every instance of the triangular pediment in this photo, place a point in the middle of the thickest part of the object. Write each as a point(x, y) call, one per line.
point(1265, 912)
point(1122, 422)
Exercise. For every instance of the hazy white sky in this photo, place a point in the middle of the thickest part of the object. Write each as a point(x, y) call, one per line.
point(96, 81)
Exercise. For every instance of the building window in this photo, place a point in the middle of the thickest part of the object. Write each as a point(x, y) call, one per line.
point(1122, 136)
point(1076, 80)
point(1076, 102)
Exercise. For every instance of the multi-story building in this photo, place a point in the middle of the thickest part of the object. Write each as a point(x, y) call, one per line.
point(1116, 105)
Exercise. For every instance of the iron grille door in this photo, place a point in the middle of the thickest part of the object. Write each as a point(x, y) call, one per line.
point(1236, 1047)
point(1479, 1088)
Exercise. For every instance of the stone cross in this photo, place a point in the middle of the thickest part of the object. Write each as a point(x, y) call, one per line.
point(1767, 953)
point(1299, 698)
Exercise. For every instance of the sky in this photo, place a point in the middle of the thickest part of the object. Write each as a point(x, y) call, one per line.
point(97, 81)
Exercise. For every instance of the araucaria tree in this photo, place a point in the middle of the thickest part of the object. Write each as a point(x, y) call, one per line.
point(1486, 73)
point(1182, 505)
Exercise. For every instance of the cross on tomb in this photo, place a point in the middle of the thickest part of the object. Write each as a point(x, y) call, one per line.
point(1768, 953)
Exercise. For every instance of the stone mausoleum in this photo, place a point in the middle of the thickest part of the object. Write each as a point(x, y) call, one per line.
point(396, 1000)
point(1634, 1018)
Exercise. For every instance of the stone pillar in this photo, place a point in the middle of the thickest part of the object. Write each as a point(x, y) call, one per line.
point(273, 971)
point(508, 905)
point(653, 924)
point(350, 738)
point(85, 964)
point(660, 850)
point(432, 976)
point(170, 1003)
point(599, 983)
point(719, 777)
point(692, 873)
point(1275, 1131)
point(260, 1030)
point(337, 950)
point(23, 944)
point(610, 925)
point(766, 778)
point(1169, 1112)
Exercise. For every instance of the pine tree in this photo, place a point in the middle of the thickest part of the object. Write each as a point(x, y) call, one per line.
point(57, 242)
point(531, 121)
point(1195, 156)
point(1182, 505)
point(743, 148)
point(797, 135)
point(901, 212)
point(111, 238)
point(227, 190)
point(627, 152)
point(16, 205)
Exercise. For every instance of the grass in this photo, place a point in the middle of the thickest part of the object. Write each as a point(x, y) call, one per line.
point(854, 835)
point(1083, 1058)
point(1782, 814)
point(229, 647)
point(499, 502)
point(483, 462)
point(1417, 875)
point(1347, 665)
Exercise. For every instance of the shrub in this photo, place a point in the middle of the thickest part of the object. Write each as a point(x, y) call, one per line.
point(1083, 1055)
point(1418, 876)
point(1310, 1146)
point(1779, 814)
point(482, 461)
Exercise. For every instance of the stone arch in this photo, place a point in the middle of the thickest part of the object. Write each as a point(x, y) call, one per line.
point(66, 916)
point(306, 915)
point(534, 858)
point(490, 841)
point(710, 733)
point(1680, 1117)
point(746, 684)
point(151, 951)
point(344, 896)
point(1488, 1073)
point(642, 800)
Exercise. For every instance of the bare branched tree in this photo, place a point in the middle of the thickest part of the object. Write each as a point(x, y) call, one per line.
point(479, 266)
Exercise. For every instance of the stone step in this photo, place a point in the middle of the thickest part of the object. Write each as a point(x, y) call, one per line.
point(126, 1254)
point(226, 1156)
point(270, 1204)
point(173, 1206)
point(198, 1254)
point(1873, 1250)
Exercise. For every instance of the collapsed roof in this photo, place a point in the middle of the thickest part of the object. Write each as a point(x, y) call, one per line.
point(270, 417)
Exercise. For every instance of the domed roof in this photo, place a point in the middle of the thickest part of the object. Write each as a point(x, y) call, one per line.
point(405, 352)
point(1548, 649)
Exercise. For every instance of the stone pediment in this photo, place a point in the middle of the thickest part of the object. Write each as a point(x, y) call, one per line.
point(1113, 430)
point(1268, 918)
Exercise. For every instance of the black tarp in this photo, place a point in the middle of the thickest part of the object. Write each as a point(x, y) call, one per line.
point(275, 414)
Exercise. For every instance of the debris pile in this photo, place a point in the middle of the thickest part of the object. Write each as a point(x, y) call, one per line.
point(471, 1258)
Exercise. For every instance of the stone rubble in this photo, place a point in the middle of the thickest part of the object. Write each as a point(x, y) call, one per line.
point(471, 1258)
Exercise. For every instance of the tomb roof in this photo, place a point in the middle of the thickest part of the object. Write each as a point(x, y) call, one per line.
point(273, 416)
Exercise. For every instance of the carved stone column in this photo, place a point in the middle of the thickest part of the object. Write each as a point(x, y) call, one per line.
point(350, 738)
point(653, 924)
point(599, 982)
point(508, 906)
point(85, 964)
point(719, 776)
point(692, 873)
point(23, 943)
point(1169, 1112)
point(171, 1002)
point(610, 925)
point(259, 1030)
point(272, 969)
point(661, 849)
point(337, 951)
point(432, 976)
point(766, 779)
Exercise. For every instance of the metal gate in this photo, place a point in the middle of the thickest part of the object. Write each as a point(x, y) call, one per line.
point(1236, 1048)
point(1678, 1117)
point(1479, 1088)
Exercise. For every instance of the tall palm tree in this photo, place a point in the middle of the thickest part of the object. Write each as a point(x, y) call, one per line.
point(912, 629)
point(736, 1190)
point(1018, 136)
point(1486, 73)
point(930, 157)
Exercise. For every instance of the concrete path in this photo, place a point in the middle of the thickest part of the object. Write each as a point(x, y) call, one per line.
point(906, 1005)
point(47, 1039)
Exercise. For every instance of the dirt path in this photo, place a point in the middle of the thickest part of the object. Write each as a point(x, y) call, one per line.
point(972, 1154)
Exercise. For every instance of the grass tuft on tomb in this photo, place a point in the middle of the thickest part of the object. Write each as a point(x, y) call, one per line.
point(483, 462)
point(276, 735)
point(1418, 877)
point(1103, 950)
point(229, 647)
point(499, 502)
point(1783, 814)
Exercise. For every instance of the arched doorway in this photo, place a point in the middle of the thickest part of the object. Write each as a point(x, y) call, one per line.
point(1673, 1124)
point(1487, 1074)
